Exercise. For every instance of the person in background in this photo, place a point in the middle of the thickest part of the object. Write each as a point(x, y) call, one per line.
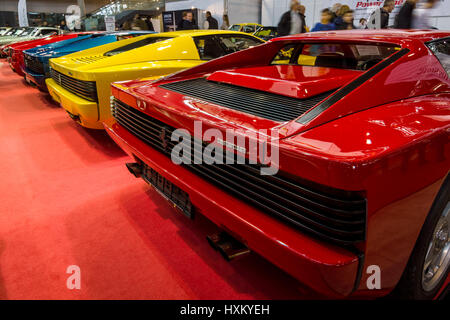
point(403, 19)
point(301, 11)
point(149, 23)
point(63, 26)
point(138, 23)
point(134, 26)
point(44, 23)
point(291, 21)
point(325, 23)
point(421, 15)
point(210, 23)
point(338, 21)
point(347, 21)
point(334, 11)
point(126, 26)
point(226, 23)
point(362, 23)
point(379, 19)
point(187, 23)
point(388, 7)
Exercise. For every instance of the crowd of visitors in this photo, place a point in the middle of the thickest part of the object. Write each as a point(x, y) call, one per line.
point(412, 15)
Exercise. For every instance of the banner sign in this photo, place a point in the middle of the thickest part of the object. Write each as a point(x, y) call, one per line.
point(364, 8)
point(110, 23)
point(22, 12)
point(73, 17)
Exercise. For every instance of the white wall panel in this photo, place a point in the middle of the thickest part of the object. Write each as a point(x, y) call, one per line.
point(248, 11)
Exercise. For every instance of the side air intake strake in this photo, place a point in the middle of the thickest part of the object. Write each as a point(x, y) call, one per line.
point(259, 103)
point(330, 214)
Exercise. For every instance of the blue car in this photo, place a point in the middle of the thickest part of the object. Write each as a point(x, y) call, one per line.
point(37, 67)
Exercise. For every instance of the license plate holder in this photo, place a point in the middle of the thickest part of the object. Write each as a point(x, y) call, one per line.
point(177, 197)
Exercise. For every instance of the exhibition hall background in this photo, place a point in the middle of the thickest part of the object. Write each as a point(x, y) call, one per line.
point(266, 12)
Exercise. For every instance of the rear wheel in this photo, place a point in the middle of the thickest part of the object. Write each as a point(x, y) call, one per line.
point(428, 266)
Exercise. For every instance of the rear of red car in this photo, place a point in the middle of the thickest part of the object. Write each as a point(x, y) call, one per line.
point(16, 61)
point(15, 51)
point(327, 213)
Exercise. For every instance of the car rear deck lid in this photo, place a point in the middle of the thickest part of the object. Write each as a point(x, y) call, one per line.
point(292, 81)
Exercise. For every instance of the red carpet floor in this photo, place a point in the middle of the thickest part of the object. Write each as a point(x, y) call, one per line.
point(67, 199)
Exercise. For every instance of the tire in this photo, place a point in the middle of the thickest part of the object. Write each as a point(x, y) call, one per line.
point(411, 285)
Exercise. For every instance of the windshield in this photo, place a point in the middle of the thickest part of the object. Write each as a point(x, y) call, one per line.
point(135, 45)
point(13, 32)
point(26, 32)
point(335, 55)
point(212, 47)
point(235, 27)
point(266, 32)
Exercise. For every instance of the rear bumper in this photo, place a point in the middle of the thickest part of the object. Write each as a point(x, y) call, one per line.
point(37, 79)
point(329, 270)
point(83, 111)
point(17, 68)
point(17, 64)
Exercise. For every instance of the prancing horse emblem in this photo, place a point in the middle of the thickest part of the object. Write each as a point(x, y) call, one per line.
point(164, 138)
point(142, 105)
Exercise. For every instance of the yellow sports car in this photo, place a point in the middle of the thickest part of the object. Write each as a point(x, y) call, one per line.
point(245, 27)
point(81, 82)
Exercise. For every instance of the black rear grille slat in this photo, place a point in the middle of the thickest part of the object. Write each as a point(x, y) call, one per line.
point(256, 110)
point(333, 215)
point(298, 219)
point(243, 183)
point(259, 103)
point(84, 89)
point(127, 123)
point(33, 64)
point(157, 131)
point(81, 85)
point(338, 215)
point(254, 104)
point(251, 108)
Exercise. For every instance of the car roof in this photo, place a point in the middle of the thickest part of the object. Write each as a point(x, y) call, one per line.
point(191, 33)
point(390, 35)
point(247, 24)
point(41, 28)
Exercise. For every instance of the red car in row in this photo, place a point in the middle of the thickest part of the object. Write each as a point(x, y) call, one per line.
point(360, 205)
point(15, 51)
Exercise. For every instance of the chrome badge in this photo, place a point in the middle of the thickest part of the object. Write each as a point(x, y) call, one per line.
point(142, 105)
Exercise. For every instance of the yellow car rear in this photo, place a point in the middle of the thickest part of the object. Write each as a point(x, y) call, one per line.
point(81, 82)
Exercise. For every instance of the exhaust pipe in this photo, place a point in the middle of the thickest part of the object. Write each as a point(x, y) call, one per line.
point(135, 169)
point(228, 247)
point(74, 117)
